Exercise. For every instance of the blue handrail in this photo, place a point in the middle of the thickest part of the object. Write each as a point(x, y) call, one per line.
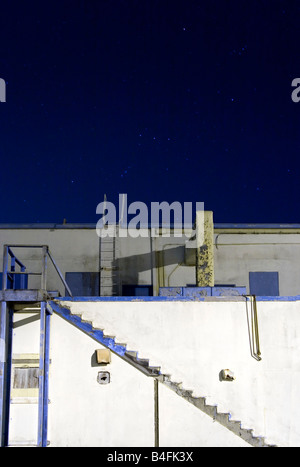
point(10, 275)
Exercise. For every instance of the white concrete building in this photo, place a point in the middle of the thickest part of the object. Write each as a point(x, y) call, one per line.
point(263, 258)
point(191, 342)
point(160, 363)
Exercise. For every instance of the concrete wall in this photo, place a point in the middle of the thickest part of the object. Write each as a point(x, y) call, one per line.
point(161, 261)
point(83, 413)
point(194, 341)
point(23, 424)
point(238, 254)
point(73, 250)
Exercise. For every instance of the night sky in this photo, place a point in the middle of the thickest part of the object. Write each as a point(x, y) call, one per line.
point(162, 100)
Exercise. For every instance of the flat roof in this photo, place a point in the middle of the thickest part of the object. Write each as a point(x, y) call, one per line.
point(219, 226)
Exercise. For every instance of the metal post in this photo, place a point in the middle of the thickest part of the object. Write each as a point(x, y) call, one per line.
point(3, 325)
point(23, 277)
point(46, 379)
point(59, 273)
point(156, 414)
point(5, 370)
point(44, 269)
point(41, 374)
point(3, 351)
point(5, 267)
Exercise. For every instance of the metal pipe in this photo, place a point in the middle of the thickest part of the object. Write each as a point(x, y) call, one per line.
point(44, 269)
point(41, 375)
point(3, 332)
point(254, 338)
point(258, 352)
point(5, 267)
point(156, 414)
point(59, 273)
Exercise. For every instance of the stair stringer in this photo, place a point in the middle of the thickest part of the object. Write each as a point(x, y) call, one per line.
point(143, 365)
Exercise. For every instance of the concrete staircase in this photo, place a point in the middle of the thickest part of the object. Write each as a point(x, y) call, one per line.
point(143, 365)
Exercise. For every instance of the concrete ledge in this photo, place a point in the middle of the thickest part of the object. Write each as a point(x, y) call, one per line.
point(236, 298)
point(24, 296)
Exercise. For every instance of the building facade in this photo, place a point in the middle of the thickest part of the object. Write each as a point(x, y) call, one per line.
point(115, 341)
point(264, 259)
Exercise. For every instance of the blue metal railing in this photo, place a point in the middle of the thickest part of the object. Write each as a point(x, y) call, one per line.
point(12, 279)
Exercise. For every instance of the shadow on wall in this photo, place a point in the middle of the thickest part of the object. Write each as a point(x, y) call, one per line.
point(129, 267)
point(135, 264)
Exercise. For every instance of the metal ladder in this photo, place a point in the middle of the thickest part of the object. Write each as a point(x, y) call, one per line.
point(109, 270)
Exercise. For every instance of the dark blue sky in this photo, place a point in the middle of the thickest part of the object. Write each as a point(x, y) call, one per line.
point(162, 100)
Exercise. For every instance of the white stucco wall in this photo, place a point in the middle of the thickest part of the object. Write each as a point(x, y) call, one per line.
point(84, 413)
point(194, 341)
point(238, 254)
point(183, 425)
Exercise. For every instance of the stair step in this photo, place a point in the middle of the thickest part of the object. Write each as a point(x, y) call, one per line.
point(143, 365)
point(132, 353)
point(108, 337)
point(121, 344)
point(143, 361)
point(210, 410)
point(223, 418)
point(155, 370)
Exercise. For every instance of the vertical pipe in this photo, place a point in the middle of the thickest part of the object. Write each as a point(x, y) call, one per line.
point(156, 414)
point(23, 278)
point(5, 267)
point(5, 369)
point(3, 350)
point(46, 378)
point(44, 269)
point(41, 375)
point(10, 311)
point(151, 259)
point(257, 343)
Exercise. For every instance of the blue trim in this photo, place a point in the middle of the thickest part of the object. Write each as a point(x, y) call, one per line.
point(3, 350)
point(198, 292)
point(87, 328)
point(256, 226)
point(141, 298)
point(44, 375)
point(8, 370)
point(174, 299)
point(5, 370)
